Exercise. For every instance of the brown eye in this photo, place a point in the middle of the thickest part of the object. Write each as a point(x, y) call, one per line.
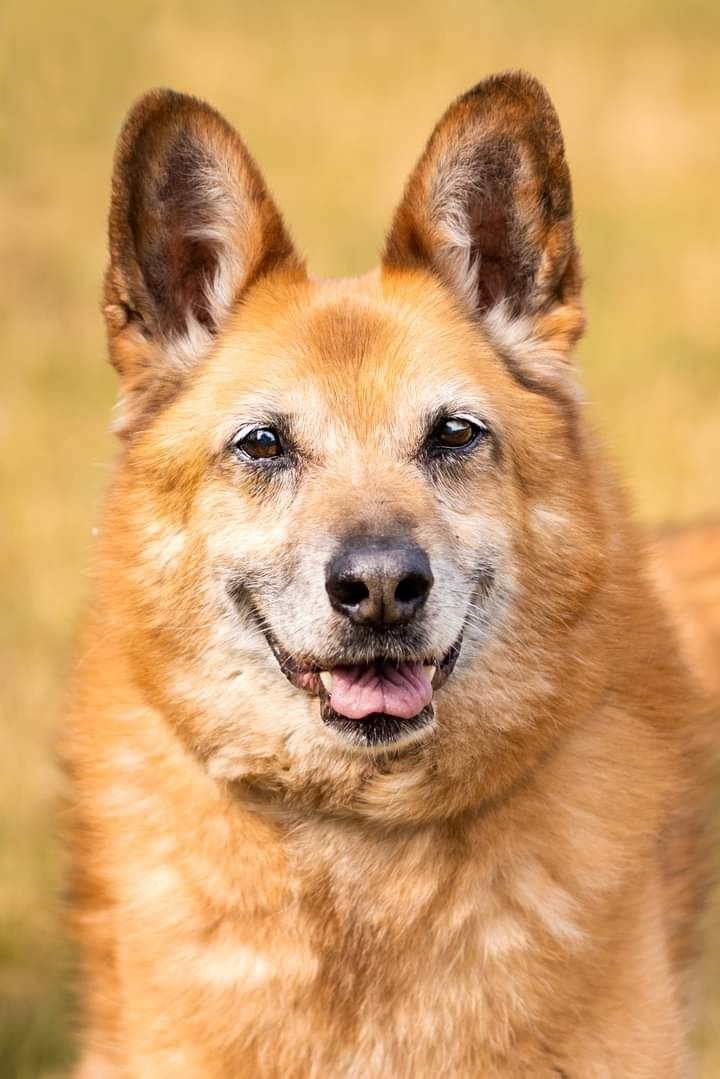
point(260, 444)
point(457, 433)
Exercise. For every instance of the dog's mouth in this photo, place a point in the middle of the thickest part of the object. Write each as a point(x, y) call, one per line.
point(372, 704)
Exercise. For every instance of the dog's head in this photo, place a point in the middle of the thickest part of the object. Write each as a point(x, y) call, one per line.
point(355, 523)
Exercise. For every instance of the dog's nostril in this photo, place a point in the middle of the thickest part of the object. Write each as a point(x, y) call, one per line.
point(412, 587)
point(350, 593)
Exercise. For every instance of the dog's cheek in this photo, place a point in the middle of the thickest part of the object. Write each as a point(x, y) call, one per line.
point(471, 545)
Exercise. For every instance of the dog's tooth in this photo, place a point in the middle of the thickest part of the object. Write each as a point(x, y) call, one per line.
point(430, 671)
point(326, 679)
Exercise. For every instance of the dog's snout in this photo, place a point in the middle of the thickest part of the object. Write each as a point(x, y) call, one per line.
point(378, 582)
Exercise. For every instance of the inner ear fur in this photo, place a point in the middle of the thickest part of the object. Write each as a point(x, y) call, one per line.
point(191, 228)
point(488, 209)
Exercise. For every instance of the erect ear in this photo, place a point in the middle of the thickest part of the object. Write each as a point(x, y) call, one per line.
point(191, 228)
point(489, 210)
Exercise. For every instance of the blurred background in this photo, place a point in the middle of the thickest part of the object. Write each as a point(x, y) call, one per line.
point(335, 100)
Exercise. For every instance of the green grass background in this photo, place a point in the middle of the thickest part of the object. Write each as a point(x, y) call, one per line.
point(335, 100)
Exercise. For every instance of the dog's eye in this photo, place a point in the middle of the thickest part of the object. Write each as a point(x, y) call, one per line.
point(457, 433)
point(260, 444)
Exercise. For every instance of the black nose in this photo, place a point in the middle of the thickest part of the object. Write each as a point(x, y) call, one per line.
point(379, 582)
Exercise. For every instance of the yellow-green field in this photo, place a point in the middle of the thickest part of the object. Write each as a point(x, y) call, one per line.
point(335, 100)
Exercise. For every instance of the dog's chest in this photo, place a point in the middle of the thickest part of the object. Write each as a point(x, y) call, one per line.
point(417, 953)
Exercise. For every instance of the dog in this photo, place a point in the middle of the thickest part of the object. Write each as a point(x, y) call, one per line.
point(386, 756)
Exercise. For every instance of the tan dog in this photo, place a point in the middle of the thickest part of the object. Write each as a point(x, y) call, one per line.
point(385, 757)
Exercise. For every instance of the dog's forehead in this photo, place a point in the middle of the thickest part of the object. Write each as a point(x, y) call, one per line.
point(361, 348)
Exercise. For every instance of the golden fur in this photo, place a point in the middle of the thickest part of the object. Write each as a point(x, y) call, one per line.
point(512, 894)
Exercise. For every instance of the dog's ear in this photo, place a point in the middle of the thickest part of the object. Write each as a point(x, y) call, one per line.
point(191, 228)
point(489, 210)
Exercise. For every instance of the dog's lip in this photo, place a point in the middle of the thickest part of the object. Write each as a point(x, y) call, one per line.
point(378, 731)
point(306, 675)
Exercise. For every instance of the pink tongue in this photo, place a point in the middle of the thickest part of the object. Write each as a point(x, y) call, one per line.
point(399, 691)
